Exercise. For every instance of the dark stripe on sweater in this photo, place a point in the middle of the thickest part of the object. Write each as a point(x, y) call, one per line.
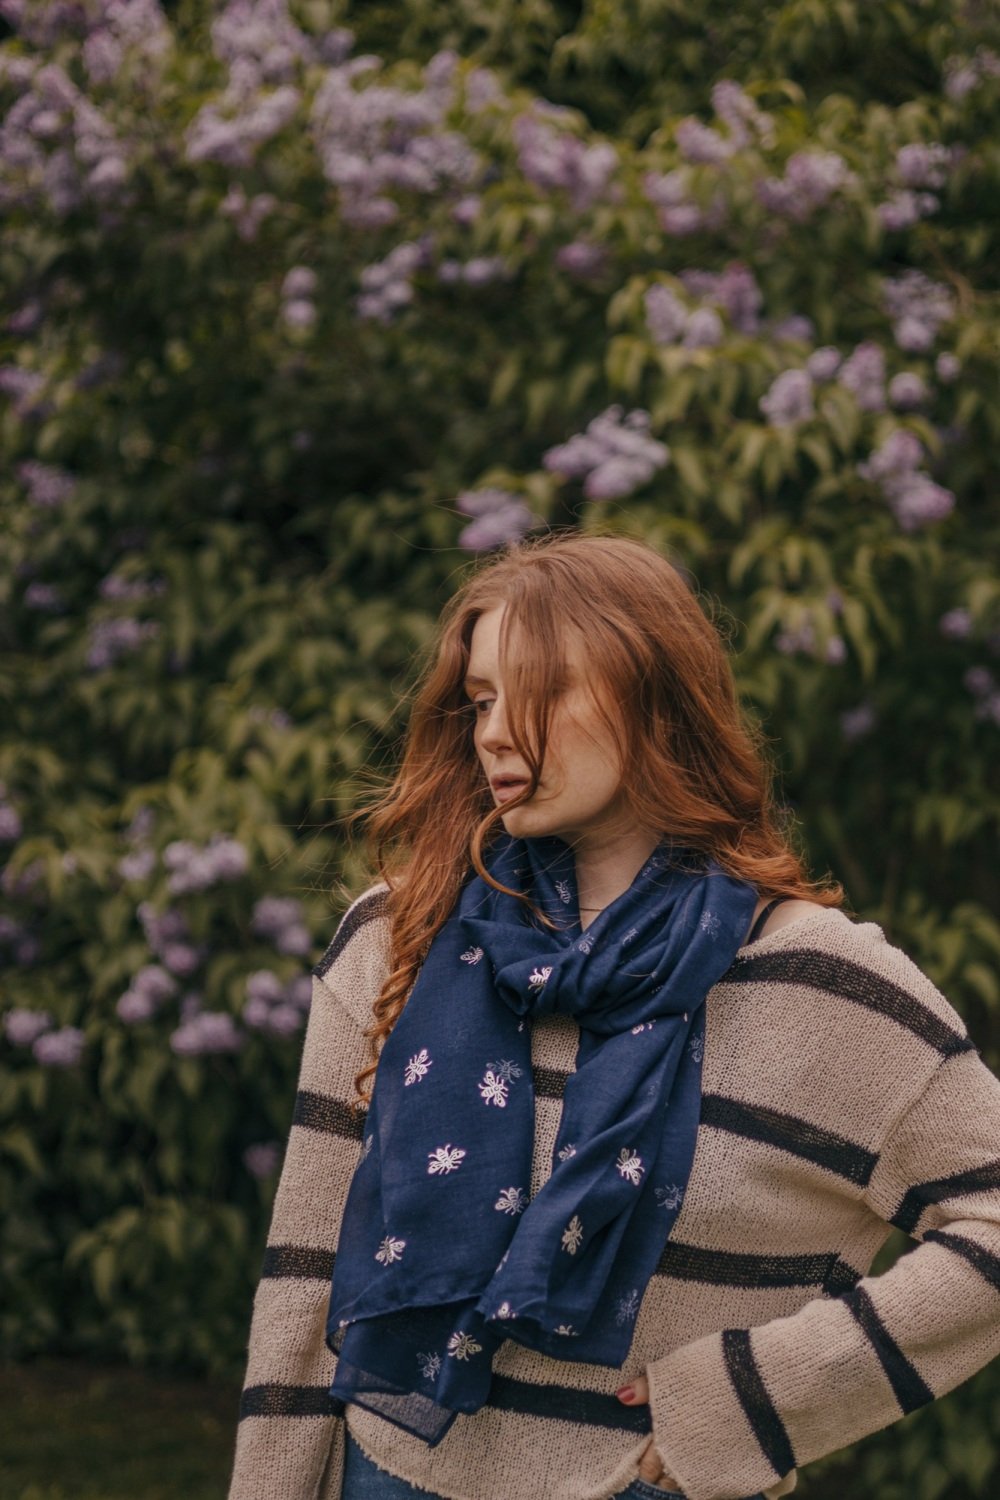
point(374, 905)
point(854, 982)
point(332, 1116)
point(984, 1261)
point(976, 1180)
point(760, 1410)
point(562, 1403)
point(289, 1401)
point(306, 1261)
point(550, 1083)
point(726, 1268)
point(790, 1133)
point(908, 1387)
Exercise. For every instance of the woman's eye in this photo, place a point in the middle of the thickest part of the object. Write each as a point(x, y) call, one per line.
point(480, 703)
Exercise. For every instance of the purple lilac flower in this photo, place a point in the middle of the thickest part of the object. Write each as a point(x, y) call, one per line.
point(581, 259)
point(947, 368)
point(30, 881)
point(734, 106)
point(385, 285)
point(59, 1049)
point(144, 996)
point(904, 208)
point(863, 374)
point(114, 586)
point(735, 290)
point(917, 307)
point(26, 949)
point(789, 400)
point(796, 327)
point(677, 213)
point(371, 139)
point(301, 281)
point(208, 1032)
point(855, 723)
point(823, 364)
point(23, 1027)
point(45, 597)
point(963, 74)
point(247, 213)
point(701, 144)
point(10, 824)
point(467, 210)
point(900, 453)
point(956, 624)
point(195, 869)
point(988, 707)
point(500, 519)
point(907, 392)
point(25, 319)
point(704, 329)
point(924, 166)
point(22, 386)
point(299, 313)
point(262, 1159)
point(801, 638)
point(666, 315)
point(272, 914)
point(110, 640)
point(918, 501)
point(555, 161)
point(614, 456)
point(811, 178)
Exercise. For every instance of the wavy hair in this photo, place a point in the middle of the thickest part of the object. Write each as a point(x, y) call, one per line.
point(694, 765)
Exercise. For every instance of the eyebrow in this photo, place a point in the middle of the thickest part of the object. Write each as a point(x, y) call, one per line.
point(471, 681)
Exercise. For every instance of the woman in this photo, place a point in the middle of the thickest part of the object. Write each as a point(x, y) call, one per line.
point(636, 1130)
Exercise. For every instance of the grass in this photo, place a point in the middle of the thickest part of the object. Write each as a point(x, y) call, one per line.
point(78, 1431)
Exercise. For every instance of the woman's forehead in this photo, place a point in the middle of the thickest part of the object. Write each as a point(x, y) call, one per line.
point(521, 644)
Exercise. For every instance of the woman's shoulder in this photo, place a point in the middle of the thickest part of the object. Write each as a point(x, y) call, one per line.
point(356, 959)
point(850, 969)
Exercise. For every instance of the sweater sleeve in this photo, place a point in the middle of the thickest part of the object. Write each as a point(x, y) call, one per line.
point(291, 1433)
point(734, 1411)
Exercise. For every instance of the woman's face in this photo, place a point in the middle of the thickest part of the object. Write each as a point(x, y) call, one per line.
point(579, 795)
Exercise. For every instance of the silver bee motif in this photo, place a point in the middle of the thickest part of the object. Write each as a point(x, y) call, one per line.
point(585, 944)
point(538, 977)
point(504, 1311)
point(369, 1142)
point(630, 1165)
point(472, 955)
point(697, 1046)
point(563, 892)
point(709, 923)
point(430, 1365)
point(643, 1026)
point(567, 1151)
point(628, 1306)
point(390, 1250)
point(566, 1328)
point(572, 1235)
point(512, 1200)
point(504, 1069)
point(445, 1159)
point(669, 1196)
point(463, 1346)
point(494, 1090)
point(417, 1067)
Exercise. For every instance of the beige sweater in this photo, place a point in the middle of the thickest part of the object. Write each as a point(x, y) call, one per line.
point(841, 1095)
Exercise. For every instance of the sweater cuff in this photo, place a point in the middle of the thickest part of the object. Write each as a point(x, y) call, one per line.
point(713, 1422)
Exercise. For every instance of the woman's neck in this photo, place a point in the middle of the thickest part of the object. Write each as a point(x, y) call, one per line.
point(606, 867)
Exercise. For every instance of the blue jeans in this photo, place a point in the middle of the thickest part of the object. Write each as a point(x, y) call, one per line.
point(364, 1480)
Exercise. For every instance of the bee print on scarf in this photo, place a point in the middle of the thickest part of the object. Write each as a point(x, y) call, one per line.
point(417, 1067)
point(430, 1365)
point(628, 1306)
point(696, 1046)
point(669, 1196)
point(445, 1159)
point(504, 1069)
point(630, 1165)
point(512, 1200)
point(472, 955)
point(563, 892)
point(463, 1346)
point(538, 977)
point(572, 1235)
point(390, 1250)
point(567, 1151)
point(709, 923)
point(494, 1089)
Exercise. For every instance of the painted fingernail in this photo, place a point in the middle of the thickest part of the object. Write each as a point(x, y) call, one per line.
point(626, 1393)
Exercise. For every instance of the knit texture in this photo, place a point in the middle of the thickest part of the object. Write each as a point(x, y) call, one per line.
point(841, 1095)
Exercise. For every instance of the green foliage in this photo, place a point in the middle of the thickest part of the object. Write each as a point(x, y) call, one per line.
point(265, 511)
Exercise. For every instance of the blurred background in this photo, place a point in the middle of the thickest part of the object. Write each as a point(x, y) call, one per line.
point(307, 306)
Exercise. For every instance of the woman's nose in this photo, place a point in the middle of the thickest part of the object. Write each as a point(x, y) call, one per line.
point(495, 734)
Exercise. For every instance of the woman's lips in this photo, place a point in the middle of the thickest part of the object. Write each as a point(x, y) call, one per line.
point(507, 790)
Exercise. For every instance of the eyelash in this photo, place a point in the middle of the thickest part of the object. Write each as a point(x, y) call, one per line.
point(477, 704)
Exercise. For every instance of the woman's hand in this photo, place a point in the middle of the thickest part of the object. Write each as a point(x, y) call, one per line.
point(650, 1464)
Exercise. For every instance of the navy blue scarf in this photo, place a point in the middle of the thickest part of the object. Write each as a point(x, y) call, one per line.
point(443, 1251)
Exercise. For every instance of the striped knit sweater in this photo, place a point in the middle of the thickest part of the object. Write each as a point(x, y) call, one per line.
point(841, 1095)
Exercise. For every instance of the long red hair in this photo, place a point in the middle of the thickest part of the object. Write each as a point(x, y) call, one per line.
point(694, 764)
